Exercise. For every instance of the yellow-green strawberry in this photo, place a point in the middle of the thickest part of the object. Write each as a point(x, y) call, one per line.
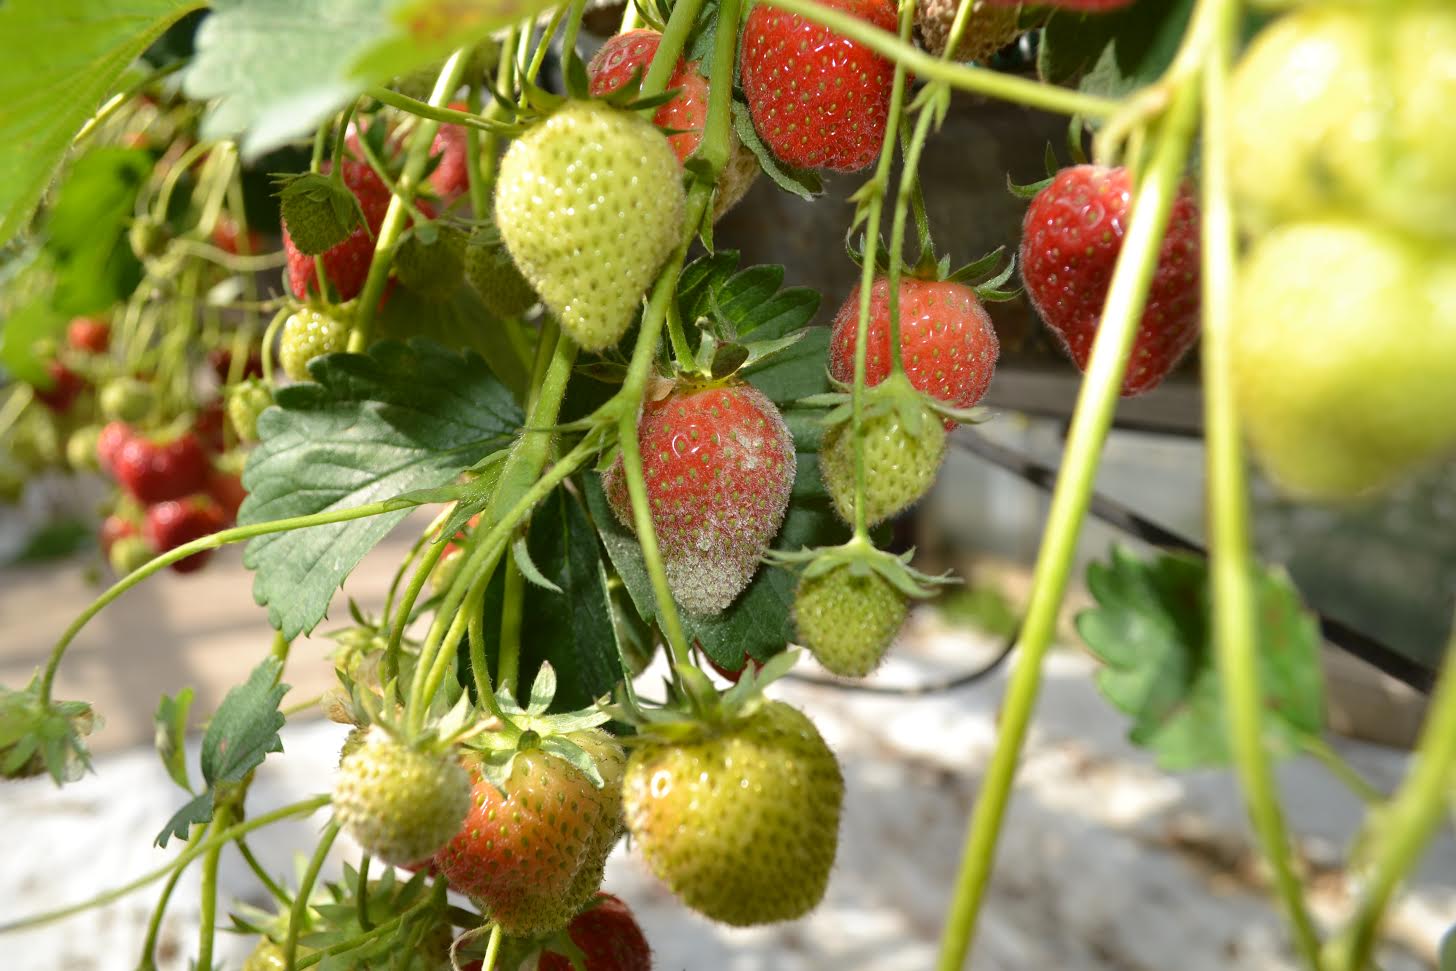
point(268, 956)
point(307, 334)
point(431, 260)
point(493, 274)
point(590, 203)
point(399, 803)
point(126, 399)
point(741, 818)
point(902, 454)
point(81, 448)
point(244, 402)
point(847, 618)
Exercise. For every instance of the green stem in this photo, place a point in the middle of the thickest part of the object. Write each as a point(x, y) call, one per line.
point(148, 961)
point(303, 808)
point(235, 535)
point(207, 920)
point(490, 146)
point(407, 606)
point(513, 600)
point(269, 337)
point(1342, 770)
point(963, 77)
point(492, 947)
point(114, 103)
point(299, 913)
point(1406, 824)
point(431, 111)
point(1126, 299)
point(417, 156)
point(273, 887)
point(419, 544)
point(573, 27)
point(479, 669)
point(539, 57)
point(675, 34)
point(361, 902)
point(1235, 625)
point(20, 396)
point(479, 190)
point(718, 123)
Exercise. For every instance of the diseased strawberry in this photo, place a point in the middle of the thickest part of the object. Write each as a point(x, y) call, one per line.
point(818, 99)
point(399, 803)
point(902, 454)
point(92, 334)
point(175, 522)
point(590, 202)
point(1069, 246)
point(113, 436)
point(347, 263)
point(989, 27)
point(155, 470)
point(609, 939)
point(65, 387)
point(847, 620)
point(719, 464)
point(307, 334)
point(947, 343)
point(739, 819)
point(521, 850)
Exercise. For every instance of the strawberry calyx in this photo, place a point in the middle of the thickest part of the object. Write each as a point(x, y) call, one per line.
point(43, 737)
point(862, 558)
point(318, 209)
point(695, 709)
point(893, 396)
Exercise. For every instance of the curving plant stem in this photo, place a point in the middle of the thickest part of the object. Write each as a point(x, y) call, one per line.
point(305, 890)
point(1231, 567)
point(1096, 402)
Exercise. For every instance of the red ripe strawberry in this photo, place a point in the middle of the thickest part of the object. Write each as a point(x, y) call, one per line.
point(719, 464)
point(155, 471)
point(1069, 246)
point(227, 236)
point(221, 360)
point(1082, 6)
point(451, 177)
point(226, 489)
point(520, 850)
point(818, 99)
point(172, 523)
point(729, 674)
point(113, 436)
point(608, 937)
point(624, 54)
point(347, 264)
point(210, 424)
point(66, 386)
point(89, 334)
point(947, 343)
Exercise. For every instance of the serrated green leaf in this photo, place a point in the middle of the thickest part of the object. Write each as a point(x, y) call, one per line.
point(796, 372)
point(759, 622)
point(171, 724)
point(86, 230)
point(572, 630)
point(521, 555)
point(244, 730)
point(197, 810)
point(1151, 628)
point(461, 323)
point(275, 69)
point(61, 59)
point(375, 426)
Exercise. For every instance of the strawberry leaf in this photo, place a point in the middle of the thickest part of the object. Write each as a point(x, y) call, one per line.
point(245, 728)
point(374, 426)
point(1151, 628)
point(1113, 54)
point(171, 722)
point(460, 322)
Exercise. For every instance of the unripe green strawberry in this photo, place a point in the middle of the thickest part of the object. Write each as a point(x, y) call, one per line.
point(741, 820)
point(128, 554)
point(81, 448)
point(398, 803)
point(900, 464)
point(1344, 356)
point(431, 269)
point(307, 334)
point(493, 274)
point(318, 212)
point(148, 237)
point(126, 399)
point(268, 956)
point(988, 27)
point(590, 202)
point(246, 400)
point(846, 620)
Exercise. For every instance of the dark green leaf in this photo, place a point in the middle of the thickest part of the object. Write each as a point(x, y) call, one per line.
point(1113, 54)
point(759, 622)
point(572, 630)
point(461, 323)
point(61, 57)
point(245, 727)
point(376, 426)
point(701, 279)
point(796, 372)
point(198, 810)
point(86, 231)
point(171, 725)
point(1151, 628)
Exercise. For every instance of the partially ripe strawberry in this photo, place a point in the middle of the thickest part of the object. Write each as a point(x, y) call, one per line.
point(901, 461)
point(590, 202)
point(154, 470)
point(947, 343)
point(818, 99)
point(719, 464)
point(399, 804)
point(611, 762)
point(307, 334)
point(520, 851)
point(346, 264)
point(176, 522)
point(1069, 246)
point(846, 620)
point(65, 387)
point(92, 334)
point(740, 820)
point(609, 939)
point(113, 436)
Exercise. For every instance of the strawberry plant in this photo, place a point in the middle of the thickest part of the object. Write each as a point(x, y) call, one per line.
point(286, 284)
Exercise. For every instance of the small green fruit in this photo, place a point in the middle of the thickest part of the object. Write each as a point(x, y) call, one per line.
point(847, 620)
point(81, 448)
point(307, 334)
point(901, 463)
point(398, 803)
point(126, 399)
point(247, 400)
point(493, 274)
point(432, 269)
